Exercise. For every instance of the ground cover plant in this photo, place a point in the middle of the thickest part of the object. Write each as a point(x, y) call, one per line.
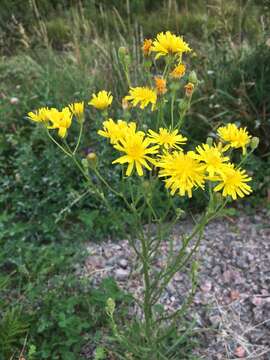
point(152, 147)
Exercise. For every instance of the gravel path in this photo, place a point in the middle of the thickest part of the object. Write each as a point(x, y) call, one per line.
point(232, 302)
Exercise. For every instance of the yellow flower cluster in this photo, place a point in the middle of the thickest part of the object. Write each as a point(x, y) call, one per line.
point(209, 165)
point(53, 118)
point(165, 44)
point(184, 172)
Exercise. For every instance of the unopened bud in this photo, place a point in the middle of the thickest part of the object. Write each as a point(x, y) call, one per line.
point(189, 89)
point(85, 164)
point(209, 141)
point(92, 159)
point(193, 78)
point(122, 51)
point(254, 142)
point(110, 306)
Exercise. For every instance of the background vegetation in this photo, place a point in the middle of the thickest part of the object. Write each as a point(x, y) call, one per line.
point(55, 52)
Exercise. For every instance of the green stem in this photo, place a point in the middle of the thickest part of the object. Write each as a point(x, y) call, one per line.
point(57, 143)
point(172, 109)
point(79, 139)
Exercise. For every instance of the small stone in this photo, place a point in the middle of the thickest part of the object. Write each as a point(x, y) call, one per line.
point(206, 287)
point(112, 260)
point(257, 301)
point(240, 352)
point(215, 320)
point(123, 263)
point(14, 100)
point(121, 274)
point(234, 295)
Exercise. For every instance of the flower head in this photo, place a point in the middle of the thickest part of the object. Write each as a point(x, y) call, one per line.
point(40, 115)
point(168, 139)
point(61, 120)
point(233, 182)
point(160, 85)
point(178, 71)
point(147, 46)
point(77, 109)
point(142, 96)
point(137, 151)
point(116, 131)
point(212, 157)
point(168, 43)
point(189, 87)
point(182, 172)
point(102, 100)
point(237, 138)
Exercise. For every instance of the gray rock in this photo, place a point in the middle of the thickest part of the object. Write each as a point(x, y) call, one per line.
point(121, 274)
point(123, 263)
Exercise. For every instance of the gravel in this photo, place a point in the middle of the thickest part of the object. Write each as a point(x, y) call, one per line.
point(232, 302)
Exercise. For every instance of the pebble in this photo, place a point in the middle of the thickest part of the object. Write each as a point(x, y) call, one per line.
point(123, 263)
point(121, 274)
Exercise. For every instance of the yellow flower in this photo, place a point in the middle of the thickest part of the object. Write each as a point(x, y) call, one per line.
point(40, 115)
point(102, 100)
point(168, 139)
point(178, 71)
point(183, 173)
point(168, 43)
point(116, 131)
point(77, 109)
point(233, 182)
point(137, 150)
point(189, 89)
point(142, 95)
point(212, 157)
point(160, 85)
point(146, 46)
point(61, 120)
point(237, 138)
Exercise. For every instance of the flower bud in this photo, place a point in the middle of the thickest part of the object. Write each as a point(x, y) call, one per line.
point(85, 164)
point(189, 89)
point(209, 141)
point(92, 159)
point(254, 142)
point(193, 78)
point(110, 306)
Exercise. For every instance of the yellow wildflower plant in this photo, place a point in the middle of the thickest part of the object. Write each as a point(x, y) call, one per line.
point(146, 48)
point(178, 71)
point(137, 151)
point(160, 85)
point(234, 136)
point(189, 87)
point(233, 182)
point(212, 156)
point(61, 120)
point(151, 212)
point(116, 131)
point(102, 100)
point(40, 115)
point(77, 109)
point(183, 173)
point(169, 44)
point(142, 96)
point(169, 139)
